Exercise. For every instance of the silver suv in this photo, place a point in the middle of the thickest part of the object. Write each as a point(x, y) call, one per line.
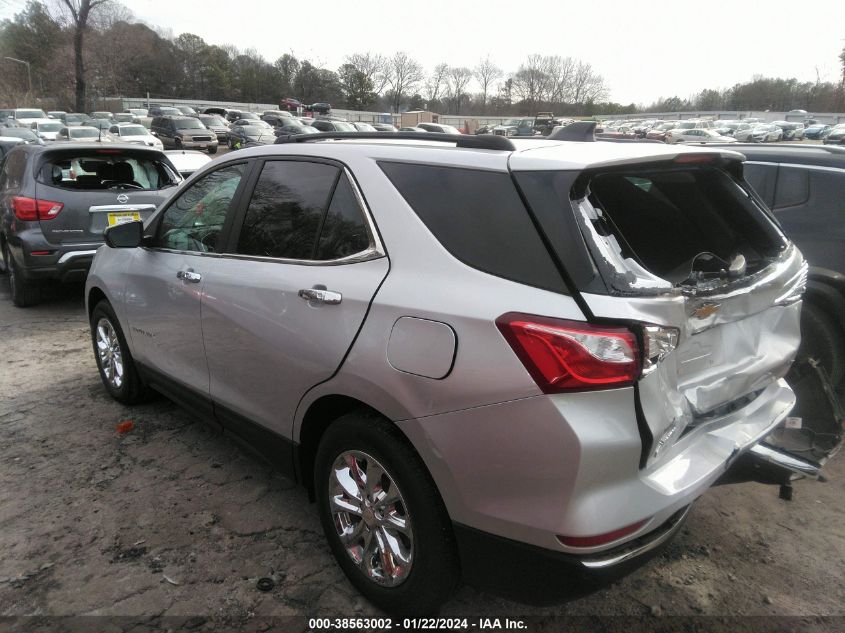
point(478, 355)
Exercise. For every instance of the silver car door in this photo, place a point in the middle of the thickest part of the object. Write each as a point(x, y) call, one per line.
point(165, 281)
point(281, 311)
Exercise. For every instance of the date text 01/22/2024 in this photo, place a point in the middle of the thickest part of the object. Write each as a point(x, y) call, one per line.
point(415, 624)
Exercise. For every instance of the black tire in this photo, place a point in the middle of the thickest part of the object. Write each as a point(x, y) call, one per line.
point(434, 570)
point(177, 143)
point(212, 150)
point(132, 389)
point(25, 293)
point(822, 339)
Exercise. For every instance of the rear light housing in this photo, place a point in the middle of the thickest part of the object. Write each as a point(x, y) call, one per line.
point(566, 355)
point(32, 210)
point(572, 355)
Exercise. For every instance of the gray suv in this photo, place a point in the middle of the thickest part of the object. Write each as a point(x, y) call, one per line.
point(478, 355)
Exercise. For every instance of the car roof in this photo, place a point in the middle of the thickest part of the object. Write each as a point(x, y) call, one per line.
point(528, 154)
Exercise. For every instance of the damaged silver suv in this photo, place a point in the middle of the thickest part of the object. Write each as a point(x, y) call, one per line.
point(481, 356)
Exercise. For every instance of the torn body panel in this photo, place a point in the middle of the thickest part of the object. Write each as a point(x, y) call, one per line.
point(734, 340)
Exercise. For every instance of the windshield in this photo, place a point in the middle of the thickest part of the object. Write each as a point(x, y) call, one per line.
point(83, 133)
point(189, 124)
point(30, 114)
point(96, 172)
point(365, 127)
point(18, 133)
point(132, 130)
point(343, 126)
point(216, 121)
point(49, 127)
point(514, 122)
point(254, 130)
point(75, 117)
point(138, 111)
point(170, 111)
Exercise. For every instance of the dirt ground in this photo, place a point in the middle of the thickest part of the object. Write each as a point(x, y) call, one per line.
point(173, 519)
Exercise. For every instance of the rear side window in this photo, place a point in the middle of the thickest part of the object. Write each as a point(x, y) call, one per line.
point(793, 187)
point(286, 209)
point(479, 218)
point(96, 171)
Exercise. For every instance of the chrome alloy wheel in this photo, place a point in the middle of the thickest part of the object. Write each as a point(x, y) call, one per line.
point(109, 352)
point(371, 518)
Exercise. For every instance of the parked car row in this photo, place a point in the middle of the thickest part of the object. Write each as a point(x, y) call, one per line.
point(749, 130)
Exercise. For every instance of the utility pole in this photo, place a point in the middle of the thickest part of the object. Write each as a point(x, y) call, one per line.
point(28, 71)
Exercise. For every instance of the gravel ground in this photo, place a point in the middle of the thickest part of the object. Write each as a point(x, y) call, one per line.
point(172, 519)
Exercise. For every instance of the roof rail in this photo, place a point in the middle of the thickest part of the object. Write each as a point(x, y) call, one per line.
point(575, 131)
point(480, 141)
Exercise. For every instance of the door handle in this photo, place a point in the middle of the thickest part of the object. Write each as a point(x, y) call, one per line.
point(318, 295)
point(189, 276)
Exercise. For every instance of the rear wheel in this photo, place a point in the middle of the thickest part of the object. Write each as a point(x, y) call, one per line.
point(24, 292)
point(114, 361)
point(383, 517)
point(823, 340)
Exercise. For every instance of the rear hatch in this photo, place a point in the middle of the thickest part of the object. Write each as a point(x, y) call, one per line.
point(680, 246)
point(98, 187)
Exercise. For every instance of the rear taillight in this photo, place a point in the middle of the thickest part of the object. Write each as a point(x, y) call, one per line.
point(30, 209)
point(571, 355)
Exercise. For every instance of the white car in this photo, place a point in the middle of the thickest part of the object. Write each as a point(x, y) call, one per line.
point(83, 134)
point(47, 130)
point(134, 133)
point(697, 135)
point(187, 161)
point(24, 117)
point(760, 133)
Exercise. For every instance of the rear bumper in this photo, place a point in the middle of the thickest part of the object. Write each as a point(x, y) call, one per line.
point(533, 469)
point(539, 576)
point(66, 263)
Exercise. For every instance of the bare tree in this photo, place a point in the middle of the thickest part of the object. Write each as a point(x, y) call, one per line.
point(436, 82)
point(371, 68)
point(530, 80)
point(587, 85)
point(559, 84)
point(79, 12)
point(486, 74)
point(403, 74)
point(459, 78)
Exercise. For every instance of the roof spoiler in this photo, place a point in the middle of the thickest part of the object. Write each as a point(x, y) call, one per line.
point(576, 131)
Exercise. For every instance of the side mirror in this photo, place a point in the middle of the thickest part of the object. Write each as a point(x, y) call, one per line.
point(125, 235)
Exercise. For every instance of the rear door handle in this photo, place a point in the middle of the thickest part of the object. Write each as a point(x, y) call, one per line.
point(189, 276)
point(317, 295)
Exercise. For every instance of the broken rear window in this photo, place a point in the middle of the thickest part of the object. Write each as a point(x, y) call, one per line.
point(107, 170)
point(652, 228)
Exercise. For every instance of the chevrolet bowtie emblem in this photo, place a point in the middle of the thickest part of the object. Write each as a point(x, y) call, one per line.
point(706, 309)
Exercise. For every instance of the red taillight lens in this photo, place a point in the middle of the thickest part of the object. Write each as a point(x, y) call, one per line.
point(571, 355)
point(601, 539)
point(30, 209)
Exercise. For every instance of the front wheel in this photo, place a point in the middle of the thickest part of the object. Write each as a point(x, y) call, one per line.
point(114, 361)
point(383, 517)
point(822, 339)
point(212, 150)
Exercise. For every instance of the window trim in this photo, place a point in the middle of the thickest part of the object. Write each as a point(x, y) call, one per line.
point(375, 250)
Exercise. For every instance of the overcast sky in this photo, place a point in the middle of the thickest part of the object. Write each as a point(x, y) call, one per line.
point(644, 50)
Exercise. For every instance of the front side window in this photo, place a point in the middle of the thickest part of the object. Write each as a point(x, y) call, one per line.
point(195, 219)
point(286, 210)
